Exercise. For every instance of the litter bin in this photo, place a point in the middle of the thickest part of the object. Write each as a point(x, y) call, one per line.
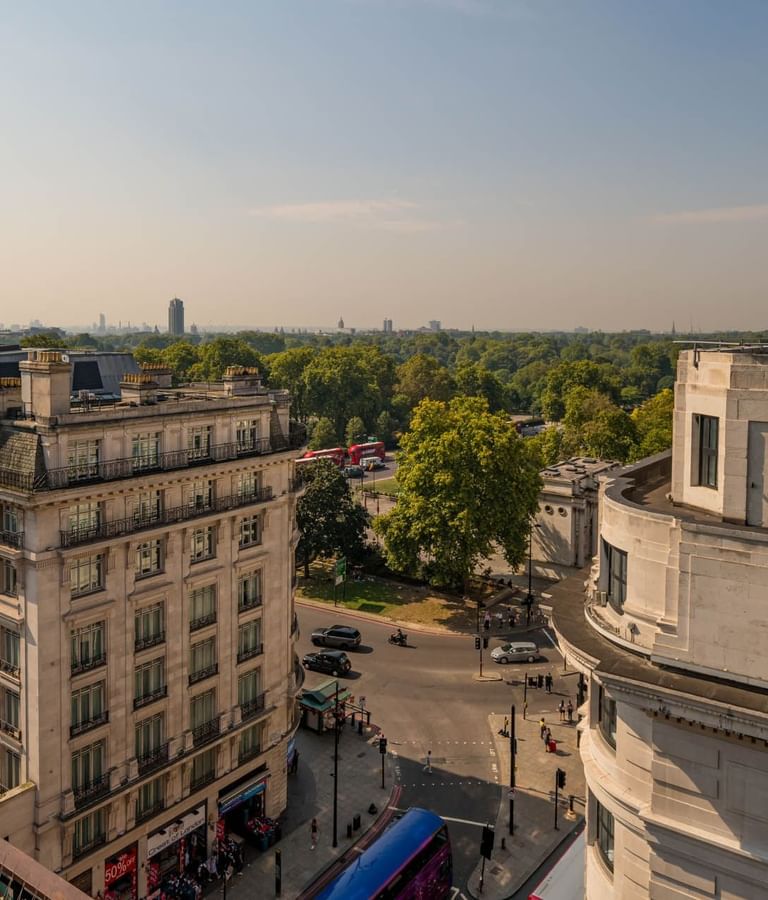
point(540, 680)
point(531, 681)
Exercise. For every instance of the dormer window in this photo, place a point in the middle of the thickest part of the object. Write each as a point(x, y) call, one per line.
point(706, 431)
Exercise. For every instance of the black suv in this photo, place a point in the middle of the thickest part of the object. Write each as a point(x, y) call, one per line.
point(335, 662)
point(341, 636)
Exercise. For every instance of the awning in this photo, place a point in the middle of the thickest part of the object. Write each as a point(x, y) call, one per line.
point(242, 793)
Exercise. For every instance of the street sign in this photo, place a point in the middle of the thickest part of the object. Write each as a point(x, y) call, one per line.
point(341, 570)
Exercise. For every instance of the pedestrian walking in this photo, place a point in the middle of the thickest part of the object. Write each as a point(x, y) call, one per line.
point(505, 726)
point(561, 710)
point(547, 739)
point(428, 766)
point(500, 620)
point(512, 618)
point(548, 682)
point(487, 621)
point(542, 727)
point(570, 712)
point(313, 833)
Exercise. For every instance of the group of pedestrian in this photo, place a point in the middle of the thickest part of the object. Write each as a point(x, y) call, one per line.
point(566, 710)
point(499, 617)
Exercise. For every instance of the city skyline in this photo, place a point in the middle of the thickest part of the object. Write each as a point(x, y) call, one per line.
point(505, 164)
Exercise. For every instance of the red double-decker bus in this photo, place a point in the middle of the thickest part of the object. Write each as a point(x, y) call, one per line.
point(337, 454)
point(360, 451)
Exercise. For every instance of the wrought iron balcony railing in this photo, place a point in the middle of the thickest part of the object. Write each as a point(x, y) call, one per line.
point(10, 668)
point(202, 674)
point(202, 621)
point(252, 708)
point(12, 539)
point(10, 728)
point(120, 527)
point(150, 697)
point(88, 663)
point(93, 790)
point(250, 652)
point(86, 724)
point(208, 731)
point(151, 640)
point(153, 759)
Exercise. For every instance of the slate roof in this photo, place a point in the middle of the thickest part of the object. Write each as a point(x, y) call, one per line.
point(21, 459)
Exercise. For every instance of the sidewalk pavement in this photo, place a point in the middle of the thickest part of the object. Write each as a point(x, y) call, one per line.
point(310, 795)
point(535, 838)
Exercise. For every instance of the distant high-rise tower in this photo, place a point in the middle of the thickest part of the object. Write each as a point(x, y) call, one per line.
point(341, 323)
point(435, 325)
point(176, 317)
point(388, 325)
point(102, 323)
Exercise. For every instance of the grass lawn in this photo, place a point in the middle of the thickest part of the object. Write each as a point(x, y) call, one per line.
point(388, 599)
point(387, 486)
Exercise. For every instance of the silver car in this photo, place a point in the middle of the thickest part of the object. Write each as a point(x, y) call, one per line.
point(522, 651)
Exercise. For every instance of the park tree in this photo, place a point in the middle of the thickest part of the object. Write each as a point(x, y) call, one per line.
point(567, 375)
point(653, 424)
point(422, 377)
point(475, 380)
point(323, 435)
point(467, 486)
point(385, 429)
point(342, 382)
point(356, 432)
point(286, 370)
point(594, 426)
point(331, 522)
point(180, 357)
point(216, 355)
point(43, 339)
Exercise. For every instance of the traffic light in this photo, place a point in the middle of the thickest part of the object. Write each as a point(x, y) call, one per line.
point(561, 778)
point(486, 842)
point(382, 745)
point(477, 642)
point(485, 643)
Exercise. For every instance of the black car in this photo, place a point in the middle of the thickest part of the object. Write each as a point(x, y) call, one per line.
point(341, 636)
point(335, 662)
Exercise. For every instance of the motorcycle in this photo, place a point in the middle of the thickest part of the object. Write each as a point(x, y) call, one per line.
point(401, 639)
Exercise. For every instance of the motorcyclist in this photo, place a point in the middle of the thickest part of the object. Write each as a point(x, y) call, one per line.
point(400, 637)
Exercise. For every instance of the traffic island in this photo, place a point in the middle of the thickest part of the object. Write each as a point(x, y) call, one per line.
point(487, 676)
point(535, 836)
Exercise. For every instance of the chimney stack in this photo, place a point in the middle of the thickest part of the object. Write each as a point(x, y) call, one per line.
point(138, 390)
point(46, 383)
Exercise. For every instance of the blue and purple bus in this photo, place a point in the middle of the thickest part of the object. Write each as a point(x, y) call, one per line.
point(411, 860)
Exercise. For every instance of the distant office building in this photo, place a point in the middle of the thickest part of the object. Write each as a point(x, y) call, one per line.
point(341, 324)
point(388, 326)
point(435, 325)
point(176, 317)
point(102, 323)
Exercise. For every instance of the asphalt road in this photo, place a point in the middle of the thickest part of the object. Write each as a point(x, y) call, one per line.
point(424, 698)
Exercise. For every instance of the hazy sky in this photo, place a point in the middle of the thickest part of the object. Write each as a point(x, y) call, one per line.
point(502, 163)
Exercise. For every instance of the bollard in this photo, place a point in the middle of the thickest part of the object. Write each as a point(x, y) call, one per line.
point(503, 843)
point(349, 829)
point(570, 814)
point(356, 822)
point(360, 725)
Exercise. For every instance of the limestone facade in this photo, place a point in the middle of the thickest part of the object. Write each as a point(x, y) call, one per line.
point(147, 668)
point(673, 636)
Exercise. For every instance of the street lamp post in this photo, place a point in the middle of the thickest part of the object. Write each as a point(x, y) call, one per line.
point(336, 768)
point(529, 598)
point(512, 748)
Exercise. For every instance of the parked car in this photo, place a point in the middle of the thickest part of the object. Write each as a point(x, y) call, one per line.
point(353, 472)
point(334, 662)
point(341, 636)
point(522, 651)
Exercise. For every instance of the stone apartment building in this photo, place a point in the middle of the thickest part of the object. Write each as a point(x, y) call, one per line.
point(672, 636)
point(147, 669)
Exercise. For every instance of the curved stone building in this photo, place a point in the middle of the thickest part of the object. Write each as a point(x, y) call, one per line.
point(671, 631)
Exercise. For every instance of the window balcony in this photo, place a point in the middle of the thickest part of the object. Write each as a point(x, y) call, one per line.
point(87, 724)
point(86, 665)
point(153, 759)
point(150, 641)
point(251, 708)
point(202, 674)
point(245, 755)
point(202, 621)
point(10, 728)
point(9, 590)
point(201, 780)
point(150, 697)
point(206, 732)
point(248, 603)
point(250, 652)
point(13, 539)
point(149, 811)
point(128, 467)
point(97, 840)
point(171, 516)
point(10, 668)
point(89, 793)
